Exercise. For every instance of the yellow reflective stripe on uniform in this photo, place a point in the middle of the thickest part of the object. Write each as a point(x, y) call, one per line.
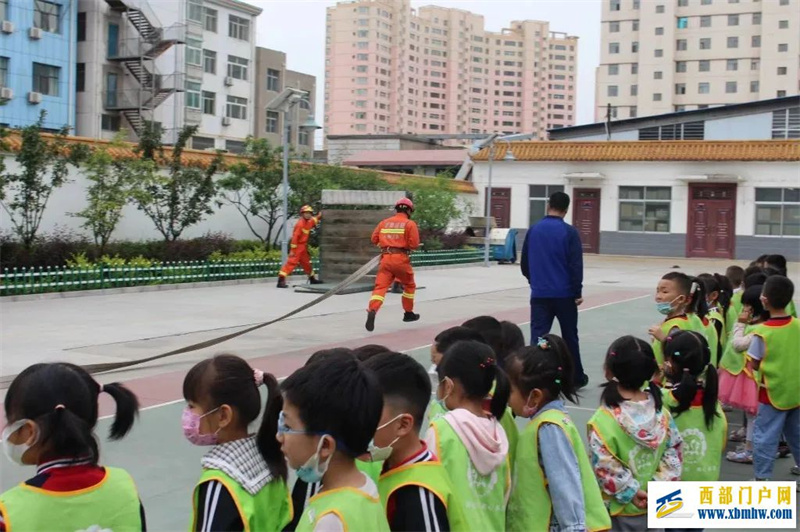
point(377, 298)
point(293, 245)
point(393, 231)
point(408, 296)
point(305, 231)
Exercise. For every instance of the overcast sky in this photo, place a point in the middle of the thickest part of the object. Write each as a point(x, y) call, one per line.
point(297, 27)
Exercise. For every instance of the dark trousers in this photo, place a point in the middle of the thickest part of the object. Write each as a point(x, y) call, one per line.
point(543, 311)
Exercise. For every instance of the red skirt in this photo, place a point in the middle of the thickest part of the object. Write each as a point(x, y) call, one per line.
point(739, 391)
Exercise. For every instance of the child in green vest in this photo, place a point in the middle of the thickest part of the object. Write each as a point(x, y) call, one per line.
point(440, 344)
point(692, 400)
point(243, 483)
point(51, 410)
point(718, 298)
point(775, 352)
point(682, 300)
point(632, 436)
point(330, 412)
point(469, 441)
point(777, 264)
point(735, 275)
point(553, 485)
point(414, 486)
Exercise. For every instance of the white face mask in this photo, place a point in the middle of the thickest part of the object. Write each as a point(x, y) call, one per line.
point(15, 451)
point(380, 454)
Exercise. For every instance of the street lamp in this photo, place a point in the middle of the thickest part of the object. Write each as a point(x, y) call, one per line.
point(285, 103)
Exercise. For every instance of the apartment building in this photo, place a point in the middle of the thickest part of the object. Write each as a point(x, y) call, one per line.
point(37, 62)
point(271, 78)
point(188, 62)
point(391, 69)
point(661, 56)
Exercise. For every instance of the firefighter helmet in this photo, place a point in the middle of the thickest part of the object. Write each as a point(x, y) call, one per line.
point(404, 203)
point(306, 208)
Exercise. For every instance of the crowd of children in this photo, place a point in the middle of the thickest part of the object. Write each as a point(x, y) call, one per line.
point(375, 446)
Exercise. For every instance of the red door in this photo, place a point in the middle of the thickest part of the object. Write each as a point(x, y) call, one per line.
point(586, 217)
point(712, 221)
point(501, 206)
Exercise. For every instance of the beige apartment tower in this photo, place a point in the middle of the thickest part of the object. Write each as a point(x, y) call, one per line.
point(661, 56)
point(391, 69)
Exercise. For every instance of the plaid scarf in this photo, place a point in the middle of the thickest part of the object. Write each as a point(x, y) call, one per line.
point(242, 461)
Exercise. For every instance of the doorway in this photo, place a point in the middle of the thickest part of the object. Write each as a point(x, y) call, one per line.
point(586, 217)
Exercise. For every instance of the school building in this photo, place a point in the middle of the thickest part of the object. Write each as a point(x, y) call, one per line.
point(720, 198)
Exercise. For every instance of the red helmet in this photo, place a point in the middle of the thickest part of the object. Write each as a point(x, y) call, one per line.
point(306, 208)
point(404, 202)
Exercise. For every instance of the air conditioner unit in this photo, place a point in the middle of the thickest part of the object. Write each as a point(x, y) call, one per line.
point(226, 121)
point(34, 97)
point(8, 26)
point(6, 93)
point(228, 81)
point(35, 33)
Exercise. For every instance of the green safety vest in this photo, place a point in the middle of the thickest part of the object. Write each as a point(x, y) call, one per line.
point(681, 322)
point(268, 510)
point(715, 314)
point(435, 410)
point(710, 332)
point(484, 496)
point(734, 309)
point(371, 469)
point(732, 361)
point(530, 507)
point(509, 424)
point(642, 461)
point(791, 310)
point(357, 510)
point(431, 476)
point(113, 504)
point(702, 447)
point(780, 367)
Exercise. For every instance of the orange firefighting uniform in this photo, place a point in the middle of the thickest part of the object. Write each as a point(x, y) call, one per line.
point(298, 249)
point(397, 237)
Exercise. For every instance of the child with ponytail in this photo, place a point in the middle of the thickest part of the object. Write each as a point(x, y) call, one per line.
point(718, 297)
point(632, 436)
point(693, 402)
point(52, 412)
point(469, 441)
point(243, 484)
point(682, 300)
point(553, 485)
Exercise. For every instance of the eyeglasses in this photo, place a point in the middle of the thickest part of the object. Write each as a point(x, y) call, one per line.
point(284, 429)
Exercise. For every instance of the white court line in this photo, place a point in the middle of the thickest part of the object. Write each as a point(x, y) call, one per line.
point(176, 401)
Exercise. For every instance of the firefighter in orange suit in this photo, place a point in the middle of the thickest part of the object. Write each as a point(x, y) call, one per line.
point(397, 237)
point(298, 249)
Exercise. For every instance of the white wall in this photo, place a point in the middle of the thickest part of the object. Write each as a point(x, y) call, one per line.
point(746, 127)
point(518, 175)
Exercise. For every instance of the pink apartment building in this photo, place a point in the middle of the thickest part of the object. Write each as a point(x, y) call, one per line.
point(392, 69)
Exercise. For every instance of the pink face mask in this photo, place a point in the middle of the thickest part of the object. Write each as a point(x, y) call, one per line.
point(191, 428)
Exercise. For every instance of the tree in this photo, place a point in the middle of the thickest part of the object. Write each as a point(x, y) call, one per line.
point(435, 203)
point(44, 168)
point(111, 182)
point(185, 195)
point(252, 187)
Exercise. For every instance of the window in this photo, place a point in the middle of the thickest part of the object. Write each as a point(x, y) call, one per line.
point(538, 195)
point(756, 19)
point(733, 20)
point(80, 77)
point(194, 10)
point(613, 70)
point(303, 137)
point(209, 61)
point(659, 52)
point(705, 2)
point(683, 23)
point(644, 209)
point(781, 94)
point(634, 68)
point(705, 43)
point(237, 67)
point(613, 90)
point(660, 31)
point(635, 25)
point(236, 108)
point(754, 86)
point(784, 2)
point(110, 123)
point(703, 87)
point(613, 27)
point(755, 64)
point(659, 9)
point(235, 146)
point(46, 16)
point(3, 71)
point(193, 94)
point(733, 42)
point(705, 21)
point(786, 123)
point(210, 20)
point(778, 211)
point(613, 48)
point(636, 4)
point(657, 97)
point(615, 5)
point(755, 41)
point(783, 47)
point(658, 75)
point(238, 28)
point(680, 88)
point(3, 10)
point(45, 79)
point(781, 71)
point(731, 65)
point(783, 24)
point(632, 112)
point(361, 69)
point(635, 46)
point(730, 87)
point(634, 90)
point(209, 103)
point(81, 33)
point(681, 44)
point(680, 66)
point(194, 51)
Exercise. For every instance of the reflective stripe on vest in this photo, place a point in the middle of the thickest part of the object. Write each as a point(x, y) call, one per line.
point(681, 323)
point(357, 511)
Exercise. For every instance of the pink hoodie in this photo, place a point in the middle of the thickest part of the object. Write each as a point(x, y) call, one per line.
point(484, 438)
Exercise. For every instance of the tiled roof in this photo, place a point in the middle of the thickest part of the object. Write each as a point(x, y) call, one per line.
point(406, 157)
point(202, 158)
point(680, 150)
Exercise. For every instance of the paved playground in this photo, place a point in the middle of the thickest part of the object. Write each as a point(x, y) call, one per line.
point(106, 328)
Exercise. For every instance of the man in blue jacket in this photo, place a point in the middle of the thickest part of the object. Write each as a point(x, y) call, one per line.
point(552, 261)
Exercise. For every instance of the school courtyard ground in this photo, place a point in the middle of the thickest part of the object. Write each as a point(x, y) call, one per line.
point(97, 328)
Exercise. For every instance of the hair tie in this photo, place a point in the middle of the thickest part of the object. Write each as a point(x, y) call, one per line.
point(686, 370)
point(668, 339)
point(102, 388)
point(60, 407)
point(612, 353)
point(614, 379)
point(258, 377)
point(676, 354)
point(694, 288)
point(558, 381)
point(542, 343)
point(559, 368)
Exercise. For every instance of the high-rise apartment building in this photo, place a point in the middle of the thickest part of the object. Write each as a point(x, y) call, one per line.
point(391, 69)
point(660, 56)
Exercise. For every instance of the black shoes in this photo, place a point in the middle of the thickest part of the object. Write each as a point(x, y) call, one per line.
point(582, 382)
point(282, 282)
point(370, 325)
point(410, 316)
point(313, 280)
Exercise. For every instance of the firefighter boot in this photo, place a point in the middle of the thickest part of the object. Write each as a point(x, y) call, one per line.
point(312, 279)
point(370, 325)
point(282, 282)
point(410, 316)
